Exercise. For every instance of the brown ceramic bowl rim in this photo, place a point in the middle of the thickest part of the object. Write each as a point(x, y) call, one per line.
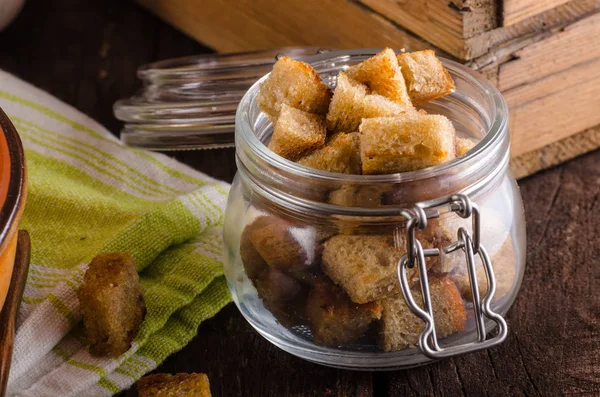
point(11, 204)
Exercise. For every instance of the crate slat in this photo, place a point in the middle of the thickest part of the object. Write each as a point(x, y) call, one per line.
point(514, 11)
point(556, 153)
point(576, 44)
point(445, 24)
point(243, 25)
point(554, 108)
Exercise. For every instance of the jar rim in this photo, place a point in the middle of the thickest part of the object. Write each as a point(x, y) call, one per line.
point(495, 132)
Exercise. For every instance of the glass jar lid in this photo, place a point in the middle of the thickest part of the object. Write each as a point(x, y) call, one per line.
point(190, 102)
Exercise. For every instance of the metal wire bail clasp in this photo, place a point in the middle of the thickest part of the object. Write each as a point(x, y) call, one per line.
point(471, 246)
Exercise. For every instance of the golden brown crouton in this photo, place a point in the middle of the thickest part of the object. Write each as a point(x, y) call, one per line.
point(293, 249)
point(398, 144)
point(341, 154)
point(179, 385)
point(333, 318)
point(400, 328)
point(254, 264)
point(364, 266)
point(353, 101)
point(503, 263)
point(279, 247)
point(111, 303)
point(297, 133)
point(463, 145)
point(283, 296)
point(425, 76)
point(382, 75)
point(295, 84)
point(358, 196)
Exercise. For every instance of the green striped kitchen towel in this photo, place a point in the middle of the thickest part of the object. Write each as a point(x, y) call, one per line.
point(90, 194)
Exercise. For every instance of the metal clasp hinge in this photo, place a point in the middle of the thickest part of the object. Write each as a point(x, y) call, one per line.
point(471, 246)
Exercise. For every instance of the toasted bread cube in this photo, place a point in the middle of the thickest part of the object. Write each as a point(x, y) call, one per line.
point(283, 296)
point(278, 246)
point(382, 75)
point(333, 318)
point(398, 144)
point(293, 249)
point(295, 84)
point(358, 196)
point(364, 266)
point(425, 76)
point(297, 133)
point(341, 154)
point(353, 101)
point(179, 385)
point(355, 196)
point(254, 264)
point(463, 145)
point(112, 304)
point(503, 264)
point(400, 328)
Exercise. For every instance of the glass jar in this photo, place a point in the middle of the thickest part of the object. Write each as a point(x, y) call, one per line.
point(313, 259)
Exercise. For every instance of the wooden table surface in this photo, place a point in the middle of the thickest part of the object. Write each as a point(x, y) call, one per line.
point(86, 53)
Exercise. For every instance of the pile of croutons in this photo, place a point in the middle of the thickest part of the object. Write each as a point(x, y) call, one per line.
point(370, 124)
point(344, 287)
point(343, 283)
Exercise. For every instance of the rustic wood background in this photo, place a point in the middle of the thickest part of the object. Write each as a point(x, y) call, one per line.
point(86, 53)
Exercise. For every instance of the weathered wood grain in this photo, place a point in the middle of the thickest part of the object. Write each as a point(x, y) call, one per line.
point(554, 107)
point(576, 44)
point(497, 45)
point(465, 29)
point(514, 11)
point(554, 331)
point(445, 24)
point(244, 25)
point(555, 153)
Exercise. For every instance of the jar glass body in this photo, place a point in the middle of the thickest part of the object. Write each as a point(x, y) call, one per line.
point(311, 256)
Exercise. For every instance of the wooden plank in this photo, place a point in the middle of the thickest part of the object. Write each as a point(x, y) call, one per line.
point(244, 25)
point(555, 153)
point(578, 43)
point(466, 29)
point(445, 24)
point(491, 46)
point(554, 108)
point(514, 11)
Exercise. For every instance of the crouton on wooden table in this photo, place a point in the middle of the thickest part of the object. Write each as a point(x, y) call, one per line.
point(178, 385)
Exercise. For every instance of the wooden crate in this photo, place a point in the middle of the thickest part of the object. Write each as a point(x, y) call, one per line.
point(544, 55)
